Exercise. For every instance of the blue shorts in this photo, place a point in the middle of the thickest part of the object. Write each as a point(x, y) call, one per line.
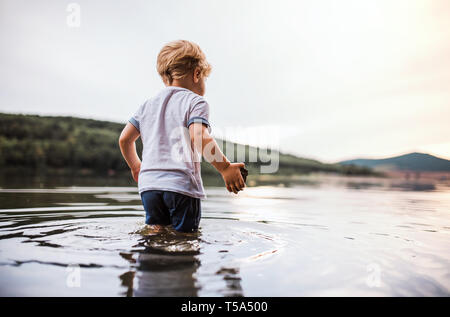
point(164, 208)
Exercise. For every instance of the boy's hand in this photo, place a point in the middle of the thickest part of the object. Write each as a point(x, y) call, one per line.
point(135, 172)
point(233, 177)
point(231, 172)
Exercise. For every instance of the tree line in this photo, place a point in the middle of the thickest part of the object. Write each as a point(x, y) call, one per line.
point(42, 142)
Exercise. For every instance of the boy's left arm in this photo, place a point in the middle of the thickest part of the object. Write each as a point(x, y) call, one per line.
point(127, 146)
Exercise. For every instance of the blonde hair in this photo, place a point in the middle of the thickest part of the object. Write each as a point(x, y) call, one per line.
point(179, 58)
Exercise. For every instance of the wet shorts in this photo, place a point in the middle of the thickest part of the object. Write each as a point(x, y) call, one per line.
point(164, 208)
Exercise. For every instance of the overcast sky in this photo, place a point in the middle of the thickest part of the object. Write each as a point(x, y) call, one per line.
point(332, 80)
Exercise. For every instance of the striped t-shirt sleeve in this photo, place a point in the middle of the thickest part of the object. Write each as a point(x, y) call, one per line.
point(135, 120)
point(199, 113)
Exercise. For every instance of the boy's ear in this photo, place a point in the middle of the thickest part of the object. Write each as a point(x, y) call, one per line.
point(197, 74)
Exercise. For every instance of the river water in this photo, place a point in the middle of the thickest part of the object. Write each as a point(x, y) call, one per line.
point(326, 236)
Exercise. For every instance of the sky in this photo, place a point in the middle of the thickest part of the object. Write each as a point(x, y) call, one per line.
point(329, 80)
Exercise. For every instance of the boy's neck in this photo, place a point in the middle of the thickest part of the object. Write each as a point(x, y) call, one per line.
point(179, 85)
point(184, 83)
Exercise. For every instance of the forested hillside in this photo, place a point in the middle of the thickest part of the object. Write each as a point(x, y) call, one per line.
point(42, 143)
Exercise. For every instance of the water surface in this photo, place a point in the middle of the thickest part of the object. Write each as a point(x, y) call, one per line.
point(317, 236)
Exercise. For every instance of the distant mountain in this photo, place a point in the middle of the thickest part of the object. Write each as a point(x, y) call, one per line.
point(408, 162)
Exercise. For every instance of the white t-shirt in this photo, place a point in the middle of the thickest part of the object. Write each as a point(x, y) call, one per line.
point(167, 158)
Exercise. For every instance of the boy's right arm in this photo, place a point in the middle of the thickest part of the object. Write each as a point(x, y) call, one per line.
point(204, 143)
point(128, 148)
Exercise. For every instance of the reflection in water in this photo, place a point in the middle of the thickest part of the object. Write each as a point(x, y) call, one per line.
point(232, 280)
point(166, 275)
point(127, 281)
point(414, 186)
point(167, 263)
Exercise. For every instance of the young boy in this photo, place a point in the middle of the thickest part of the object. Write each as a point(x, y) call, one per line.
point(169, 182)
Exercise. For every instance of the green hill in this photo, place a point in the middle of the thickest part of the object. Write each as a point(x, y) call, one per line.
point(54, 143)
point(408, 162)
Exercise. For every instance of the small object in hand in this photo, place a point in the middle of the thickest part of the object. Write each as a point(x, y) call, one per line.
point(244, 173)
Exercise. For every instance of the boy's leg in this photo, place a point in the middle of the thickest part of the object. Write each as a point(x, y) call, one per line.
point(156, 212)
point(185, 211)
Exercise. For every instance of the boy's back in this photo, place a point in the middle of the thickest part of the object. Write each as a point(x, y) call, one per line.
point(167, 159)
point(172, 125)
